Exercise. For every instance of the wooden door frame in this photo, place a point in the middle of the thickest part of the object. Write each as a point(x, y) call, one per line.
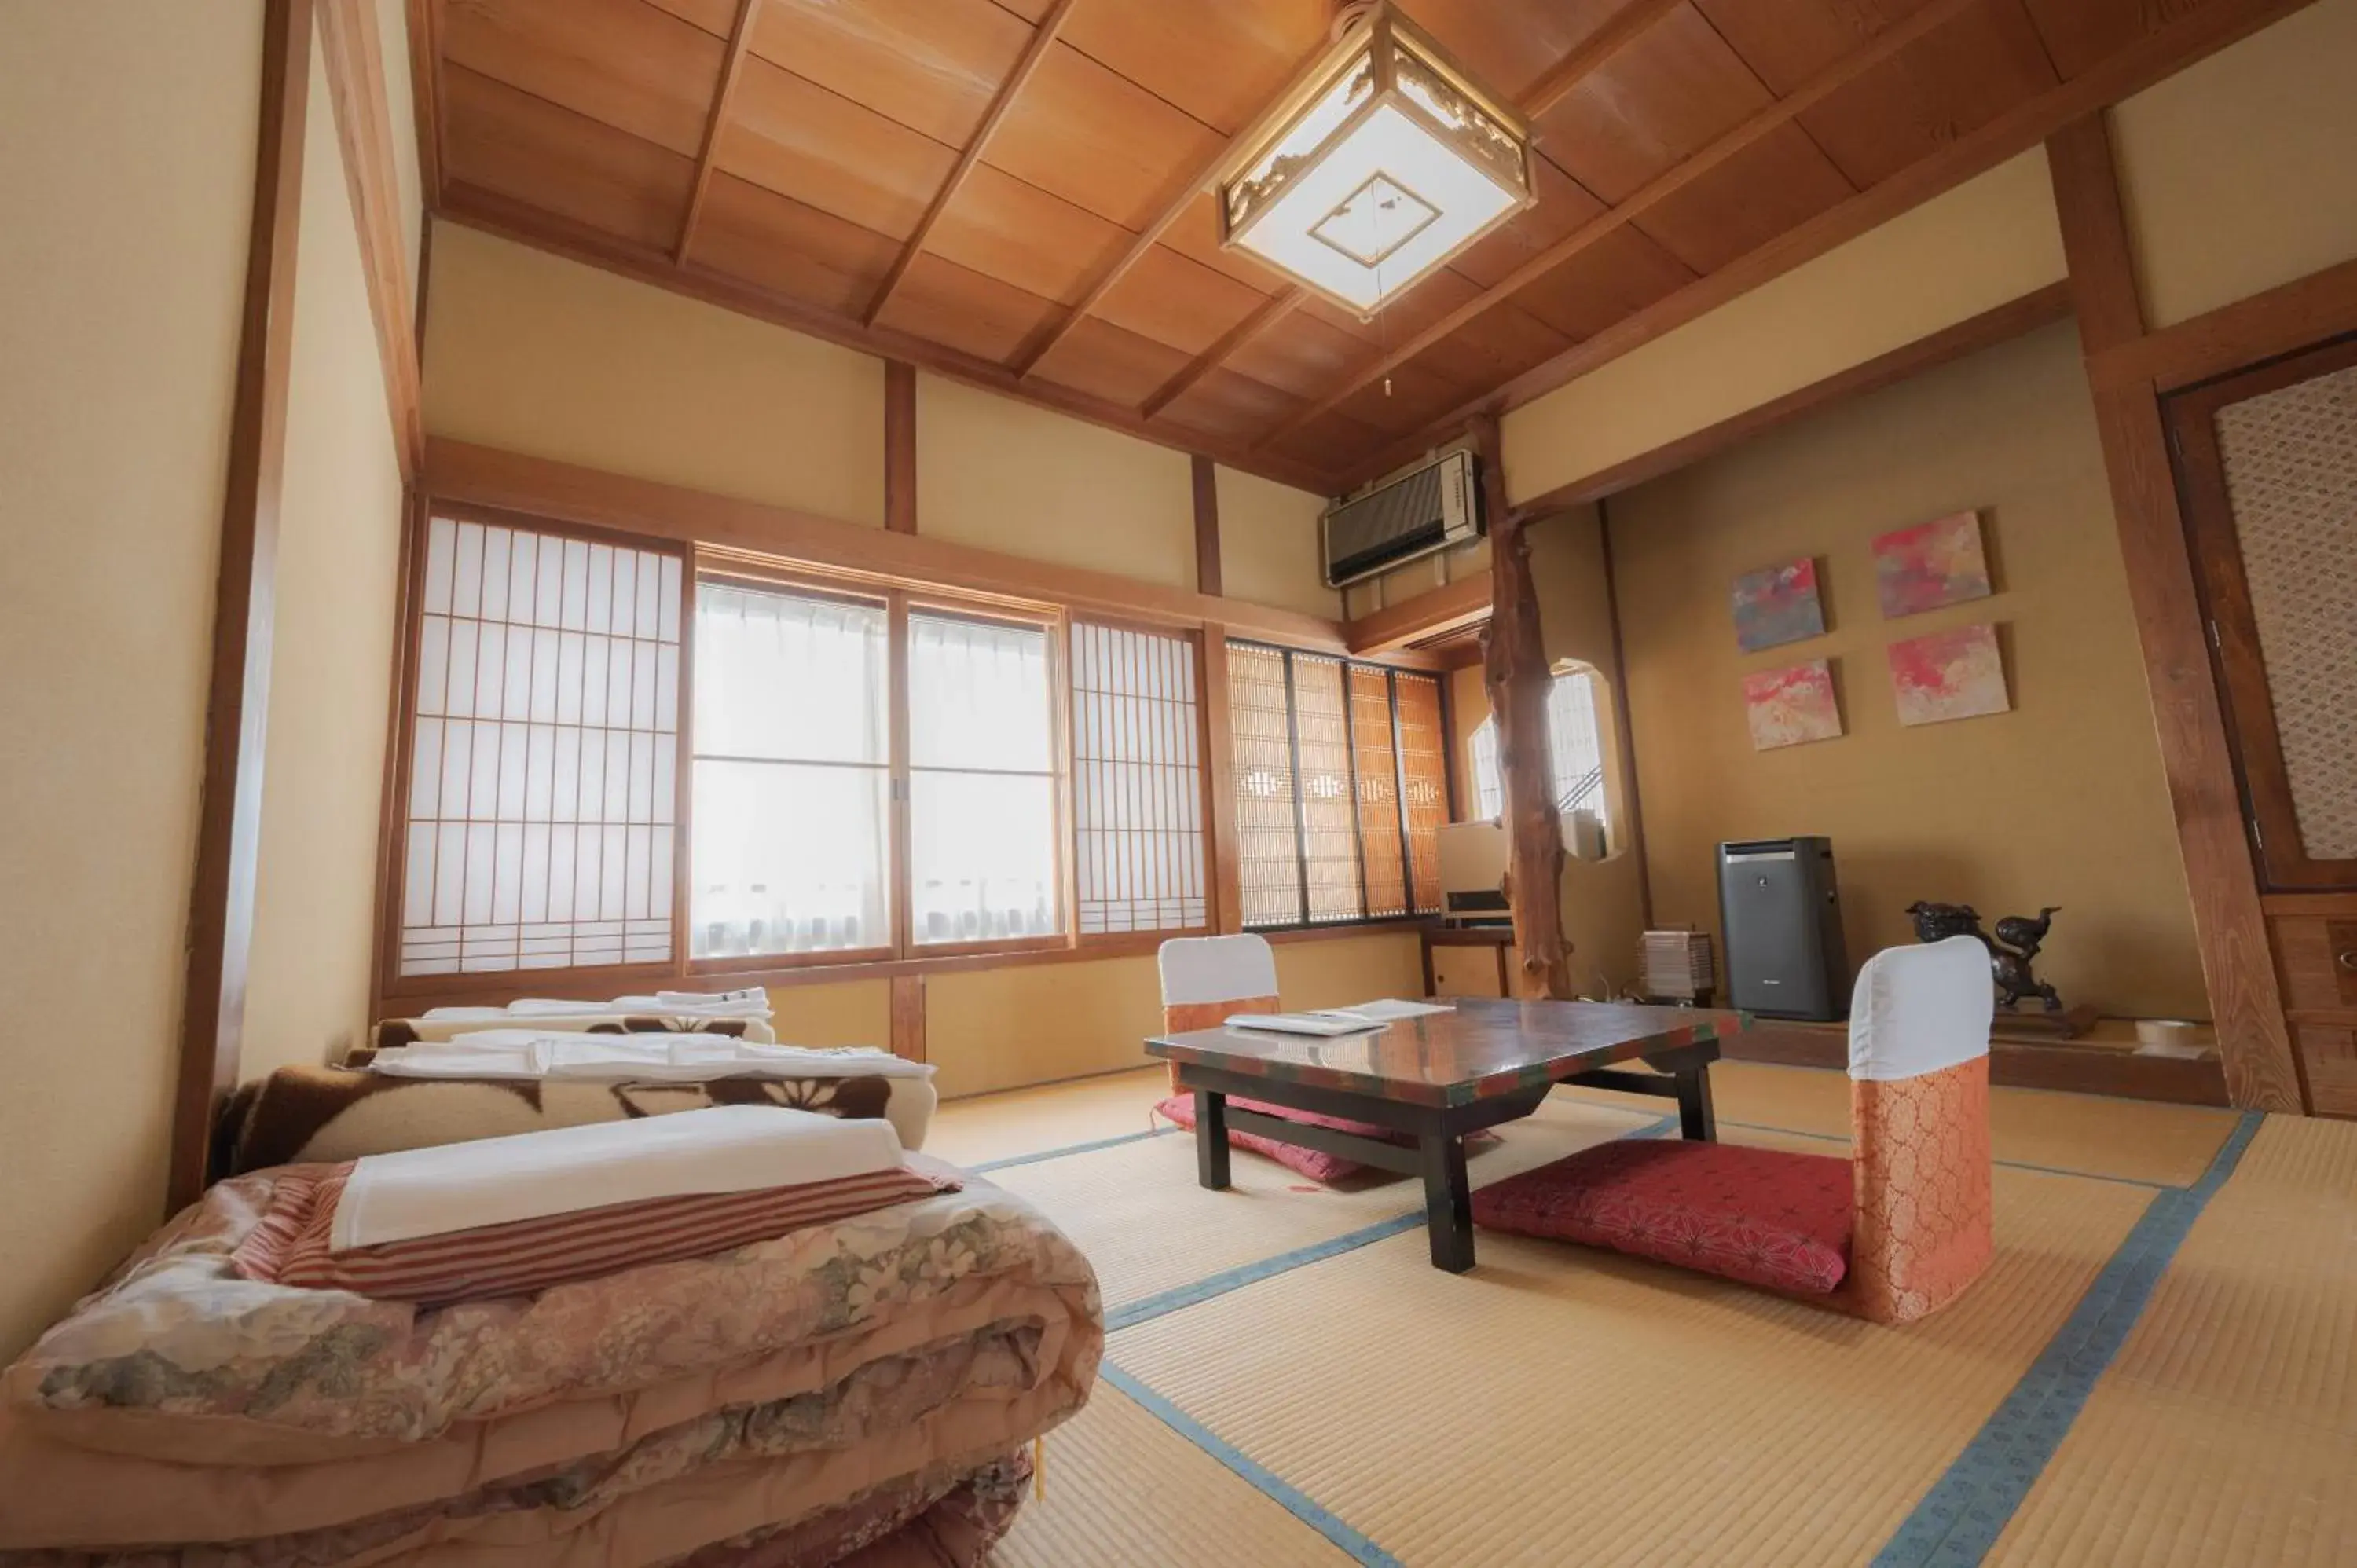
point(2130, 366)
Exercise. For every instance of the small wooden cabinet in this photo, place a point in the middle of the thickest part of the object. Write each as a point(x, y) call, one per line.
point(2315, 941)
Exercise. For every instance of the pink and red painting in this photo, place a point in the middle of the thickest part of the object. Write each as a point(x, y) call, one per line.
point(1792, 706)
point(1777, 605)
point(1953, 674)
point(1931, 565)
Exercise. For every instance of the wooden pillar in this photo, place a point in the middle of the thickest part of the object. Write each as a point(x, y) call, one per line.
point(1516, 674)
point(900, 446)
point(2230, 928)
point(909, 1016)
point(1227, 907)
point(228, 818)
point(1207, 527)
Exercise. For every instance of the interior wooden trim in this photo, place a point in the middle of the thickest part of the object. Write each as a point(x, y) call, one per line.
point(1881, 48)
point(229, 816)
point(2253, 1041)
point(901, 447)
point(2307, 311)
point(457, 471)
point(2039, 308)
point(1452, 607)
point(527, 225)
point(426, 96)
point(1263, 316)
point(2169, 49)
point(1625, 26)
point(1219, 778)
point(1624, 734)
point(392, 819)
point(909, 1016)
point(354, 57)
point(732, 71)
point(1043, 38)
point(1209, 575)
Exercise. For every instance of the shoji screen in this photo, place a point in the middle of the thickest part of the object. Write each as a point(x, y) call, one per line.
point(1382, 840)
point(1330, 825)
point(543, 753)
point(1137, 782)
point(1267, 831)
point(1424, 765)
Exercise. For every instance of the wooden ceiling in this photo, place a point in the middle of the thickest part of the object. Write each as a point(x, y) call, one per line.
point(1013, 191)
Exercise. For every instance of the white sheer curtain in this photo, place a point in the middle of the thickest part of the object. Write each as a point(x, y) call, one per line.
point(982, 781)
point(792, 781)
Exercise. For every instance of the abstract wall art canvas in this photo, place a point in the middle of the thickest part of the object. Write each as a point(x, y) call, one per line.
point(1777, 605)
point(1792, 706)
point(1931, 565)
point(1953, 674)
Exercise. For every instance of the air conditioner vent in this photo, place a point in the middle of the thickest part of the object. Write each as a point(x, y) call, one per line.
point(1431, 508)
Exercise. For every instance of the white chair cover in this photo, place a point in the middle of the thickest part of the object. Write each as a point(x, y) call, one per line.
point(1920, 1009)
point(1217, 969)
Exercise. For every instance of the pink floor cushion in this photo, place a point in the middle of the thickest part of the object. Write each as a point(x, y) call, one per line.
point(1314, 1163)
point(1760, 1216)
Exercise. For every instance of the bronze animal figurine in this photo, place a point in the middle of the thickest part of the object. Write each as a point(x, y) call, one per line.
point(2010, 965)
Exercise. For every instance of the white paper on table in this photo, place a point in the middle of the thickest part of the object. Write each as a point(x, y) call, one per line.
point(1391, 1011)
point(1326, 1024)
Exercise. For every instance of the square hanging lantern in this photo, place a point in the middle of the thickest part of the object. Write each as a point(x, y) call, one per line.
point(1383, 163)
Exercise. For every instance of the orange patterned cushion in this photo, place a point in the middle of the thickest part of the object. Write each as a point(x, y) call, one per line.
point(1923, 1161)
point(1183, 1017)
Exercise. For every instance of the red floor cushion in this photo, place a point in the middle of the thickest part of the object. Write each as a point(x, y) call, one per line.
point(1314, 1163)
point(1761, 1216)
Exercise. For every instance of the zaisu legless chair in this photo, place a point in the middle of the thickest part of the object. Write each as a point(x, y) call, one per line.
point(1891, 1234)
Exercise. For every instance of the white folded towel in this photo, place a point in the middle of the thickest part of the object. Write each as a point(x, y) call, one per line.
point(749, 1002)
point(672, 1059)
point(491, 1181)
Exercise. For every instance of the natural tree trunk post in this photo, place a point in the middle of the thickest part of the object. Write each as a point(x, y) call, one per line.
point(1514, 670)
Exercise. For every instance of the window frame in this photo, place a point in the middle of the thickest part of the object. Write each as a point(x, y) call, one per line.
point(1197, 639)
point(1346, 663)
point(1483, 737)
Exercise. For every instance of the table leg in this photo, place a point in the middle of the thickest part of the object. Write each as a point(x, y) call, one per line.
point(1447, 1203)
point(1212, 1139)
point(1696, 1118)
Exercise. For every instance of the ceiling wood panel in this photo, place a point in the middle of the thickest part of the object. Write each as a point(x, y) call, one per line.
point(969, 311)
point(1016, 231)
point(1670, 93)
point(1036, 167)
point(1963, 76)
point(800, 140)
point(622, 62)
point(930, 65)
point(1776, 185)
point(1110, 361)
point(1221, 61)
point(748, 232)
point(1101, 141)
point(515, 145)
point(1175, 301)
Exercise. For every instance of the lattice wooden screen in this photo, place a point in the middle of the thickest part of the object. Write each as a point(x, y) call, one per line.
point(543, 754)
point(1267, 830)
point(1137, 782)
point(1382, 844)
point(1424, 765)
point(1329, 824)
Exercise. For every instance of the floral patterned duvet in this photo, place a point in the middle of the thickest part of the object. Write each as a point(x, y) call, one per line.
point(180, 1403)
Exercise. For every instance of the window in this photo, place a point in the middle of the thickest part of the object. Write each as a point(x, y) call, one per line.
point(1575, 747)
point(543, 753)
point(1340, 787)
point(1137, 782)
point(811, 836)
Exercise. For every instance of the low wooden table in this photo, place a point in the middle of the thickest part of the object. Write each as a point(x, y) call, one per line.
point(1436, 1079)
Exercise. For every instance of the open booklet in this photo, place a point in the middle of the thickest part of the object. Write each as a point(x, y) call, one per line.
point(1332, 1021)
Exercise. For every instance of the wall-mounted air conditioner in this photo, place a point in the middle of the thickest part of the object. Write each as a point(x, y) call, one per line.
point(1430, 509)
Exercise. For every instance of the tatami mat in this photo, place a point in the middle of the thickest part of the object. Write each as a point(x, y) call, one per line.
point(2225, 1432)
point(1120, 1487)
point(1136, 1210)
point(1559, 1395)
point(1019, 1122)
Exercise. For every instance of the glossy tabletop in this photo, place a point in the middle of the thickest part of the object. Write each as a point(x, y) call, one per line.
point(1478, 1050)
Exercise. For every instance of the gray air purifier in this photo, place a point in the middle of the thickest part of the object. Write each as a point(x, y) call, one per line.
point(1782, 925)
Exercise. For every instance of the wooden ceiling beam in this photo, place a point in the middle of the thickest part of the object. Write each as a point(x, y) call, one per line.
point(1877, 51)
point(1266, 315)
point(2160, 53)
point(741, 44)
point(1626, 26)
point(1043, 37)
point(353, 54)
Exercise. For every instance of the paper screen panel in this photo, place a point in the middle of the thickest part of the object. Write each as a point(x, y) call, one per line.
point(1381, 832)
point(540, 815)
point(1328, 817)
point(1269, 851)
point(1424, 768)
point(1137, 783)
